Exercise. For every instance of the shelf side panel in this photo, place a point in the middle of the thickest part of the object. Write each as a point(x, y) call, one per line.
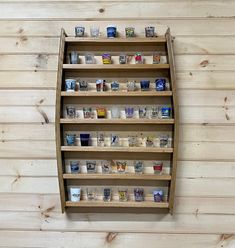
point(57, 122)
point(176, 118)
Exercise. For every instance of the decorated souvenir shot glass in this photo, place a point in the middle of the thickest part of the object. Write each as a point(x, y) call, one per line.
point(154, 112)
point(91, 166)
point(100, 85)
point(107, 194)
point(70, 112)
point(74, 57)
point(149, 31)
point(79, 31)
point(111, 31)
point(138, 166)
point(142, 112)
point(115, 86)
point(74, 167)
point(85, 138)
point(83, 86)
point(74, 194)
point(121, 166)
point(70, 84)
point(88, 113)
point(166, 112)
point(100, 139)
point(122, 59)
point(158, 195)
point(91, 194)
point(101, 112)
point(123, 195)
point(130, 32)
point(131, 85)
point(129, 111)
point(156, 58)
point(164, 140)
point(139, 194)
point(70, 139)
point(157, 167)
point(89, 58)
point(95, 31)
point(138, 58)
point(106, 166)
point(160, 84)
point(133, 141)
point(144, 85)
point(114, 140)
point(149, 141)
point(106, 58)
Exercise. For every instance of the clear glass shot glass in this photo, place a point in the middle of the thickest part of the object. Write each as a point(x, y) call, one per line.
point(95, 31)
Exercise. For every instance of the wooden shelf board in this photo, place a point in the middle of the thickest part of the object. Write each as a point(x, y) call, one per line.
point(115, 149)
point(159, 39)
point(118, 176)
point(128, 204)
point(117, 121)
point(119, 93)
point(115, 66)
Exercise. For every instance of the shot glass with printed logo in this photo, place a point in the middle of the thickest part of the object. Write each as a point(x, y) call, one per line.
point(106, 166)
point(79, 31)
point(139, 194)
point(91, 194)
point(157, 167)
point(107, 194)
point(138, 166)
point(123, 194)
point(74, 167)
point(70, 112)
point(91, 166)
point(158, 195)
point(150, 31)
point(74, 194)
point(70, 139)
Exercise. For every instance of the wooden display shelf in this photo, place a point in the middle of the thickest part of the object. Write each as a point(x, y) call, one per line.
point(116, 204)
point(126, 176)
point(117, 93)
point(159, 39)
point(117, 121)
point(115, 149)
point(116, 66)
point(147, 46)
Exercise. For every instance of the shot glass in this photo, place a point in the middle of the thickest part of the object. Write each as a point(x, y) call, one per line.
point(144, 85)
point(139, 194)
point(88, 113)
point(149, 31)
point(74, 167)
point(115, 112)
point(138, 58)
point(131, 85)
point(130, 32)
point(142, 112)
point(85, 138)
point(106, 58)
point(79, 31)
point(74, 57)
point(157, 167)
point(164, 141)
point(160, 84)
point(107, 194)
point(91, 194)
point(129, 111)
point(165, 112)
point(133, 141)
point(70, 112)
point(111, 31)
point(83, 86)
point(158, 195)
point(138, 166)
point(106, 166)
point(122, 59)
point(89, 58)
point(95, 31)
point(123, 195)
point(149, 141)
point(114, 140)
point(100, 85)
point(74, 194)
point(156, 58)
point(91, 167)
point(101, 113)
point(155, 112)
point(121, 166)
point(70, 139)
point(100, 139)
point(115, 86)
point(70, 84)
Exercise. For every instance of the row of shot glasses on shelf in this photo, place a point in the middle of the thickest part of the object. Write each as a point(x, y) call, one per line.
point(118, 112)
point(100, 85)
point(106, 139)
point(149, 167)
point(122, 194)
point(73, 57)
point(112, 31)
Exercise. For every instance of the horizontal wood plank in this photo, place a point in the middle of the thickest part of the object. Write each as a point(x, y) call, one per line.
point(115, 240)
point(114, 10)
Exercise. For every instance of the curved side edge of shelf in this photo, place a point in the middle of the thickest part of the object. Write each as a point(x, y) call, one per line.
point(176, 117)
point(57, 118)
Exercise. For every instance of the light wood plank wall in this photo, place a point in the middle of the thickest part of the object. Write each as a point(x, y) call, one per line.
point(205, 59)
